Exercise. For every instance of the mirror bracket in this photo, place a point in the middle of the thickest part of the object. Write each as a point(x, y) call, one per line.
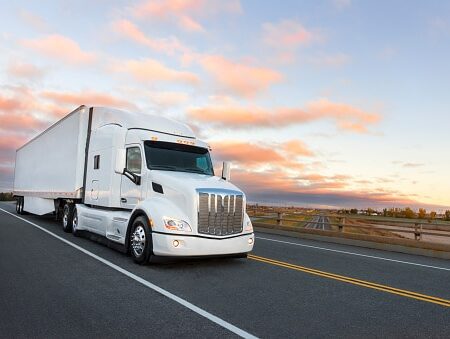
point(132, 176)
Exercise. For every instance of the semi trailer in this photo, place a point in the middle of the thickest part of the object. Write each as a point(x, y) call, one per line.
point(142, 182)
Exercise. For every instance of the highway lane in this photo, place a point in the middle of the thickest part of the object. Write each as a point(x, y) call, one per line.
point(319, 223)
point(63, 292)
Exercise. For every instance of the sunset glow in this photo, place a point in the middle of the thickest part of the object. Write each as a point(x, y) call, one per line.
point(320, 103)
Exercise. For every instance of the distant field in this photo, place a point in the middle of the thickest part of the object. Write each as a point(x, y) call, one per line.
point(380, 218)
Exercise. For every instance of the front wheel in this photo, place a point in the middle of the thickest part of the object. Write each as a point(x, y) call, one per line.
point(140, 241)
point(75, 230)
point(67, 217)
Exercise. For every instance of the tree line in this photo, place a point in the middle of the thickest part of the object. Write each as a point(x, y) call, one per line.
point(8, 196)
point(406, 212)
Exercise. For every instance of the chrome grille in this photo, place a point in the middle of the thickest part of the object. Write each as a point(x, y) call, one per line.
point(220, 213)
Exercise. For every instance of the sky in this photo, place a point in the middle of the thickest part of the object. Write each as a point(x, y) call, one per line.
point(331, 103)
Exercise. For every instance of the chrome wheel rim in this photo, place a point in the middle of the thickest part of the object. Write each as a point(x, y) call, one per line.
point(65, 216)
point(138, 241)
point(74, 221)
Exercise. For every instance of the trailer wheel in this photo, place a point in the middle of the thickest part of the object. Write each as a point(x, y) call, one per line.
point(75, 230)
point(140, 241)
point(67, 217)
point(18, 205)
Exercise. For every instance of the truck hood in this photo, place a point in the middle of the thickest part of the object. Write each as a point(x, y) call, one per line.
point(180, 192)
point(183, 181)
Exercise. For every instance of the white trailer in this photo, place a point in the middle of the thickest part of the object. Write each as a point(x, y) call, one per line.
point(143, 182)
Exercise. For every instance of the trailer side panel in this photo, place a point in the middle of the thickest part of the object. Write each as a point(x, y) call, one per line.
point(52, 164)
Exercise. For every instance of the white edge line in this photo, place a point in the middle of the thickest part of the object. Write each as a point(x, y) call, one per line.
point(357, 254)
point(144, 282)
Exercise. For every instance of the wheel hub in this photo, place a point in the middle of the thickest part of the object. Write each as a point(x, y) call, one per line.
point(65, 216)
point(138, 240)
point(74, 222)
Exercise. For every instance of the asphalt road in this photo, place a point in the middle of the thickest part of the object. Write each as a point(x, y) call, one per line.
point(319, 223)
point(287, 288)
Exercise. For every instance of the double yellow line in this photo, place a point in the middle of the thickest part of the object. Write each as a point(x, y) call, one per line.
point(363, 283)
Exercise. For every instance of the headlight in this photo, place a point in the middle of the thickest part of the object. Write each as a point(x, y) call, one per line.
point(177, 225)
point(248, 226)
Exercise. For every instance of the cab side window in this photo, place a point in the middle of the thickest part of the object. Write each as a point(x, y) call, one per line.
point(134, 160)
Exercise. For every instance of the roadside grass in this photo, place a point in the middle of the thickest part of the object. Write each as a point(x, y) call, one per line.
point(372, 231)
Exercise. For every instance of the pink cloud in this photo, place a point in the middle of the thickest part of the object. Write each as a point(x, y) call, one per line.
point(20, 122)
point(252, 156)
point(168, 99)
point(18, 69)
point(12, 142)
point(246, 153)
point(74, 99)
point(34, 20)
point(297, 148)
point(164, 8)
point(130, 31)
point(240, 79)
point(10, 104)
point(347, 117)
point(61, 48)
point(151, 70)
point(287, 34)
point(190, 25)
point(16, 110)
point(184, 13)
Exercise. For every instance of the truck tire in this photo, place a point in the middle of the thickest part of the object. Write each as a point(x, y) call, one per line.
point(67, 217)
point(75, 230)
point(18, 205)
point(140, 241)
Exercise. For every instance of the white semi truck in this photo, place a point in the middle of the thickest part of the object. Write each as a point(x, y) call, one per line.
point(143, 182)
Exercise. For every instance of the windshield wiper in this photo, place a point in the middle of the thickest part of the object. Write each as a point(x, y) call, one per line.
point(164, 167)
point(194, 170)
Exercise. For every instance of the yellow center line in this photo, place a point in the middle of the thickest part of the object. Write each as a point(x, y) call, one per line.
point(363, 283)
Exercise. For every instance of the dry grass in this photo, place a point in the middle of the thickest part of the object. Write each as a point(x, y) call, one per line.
point(373, 231)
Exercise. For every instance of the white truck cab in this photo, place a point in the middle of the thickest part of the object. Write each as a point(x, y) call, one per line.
point(147, 183)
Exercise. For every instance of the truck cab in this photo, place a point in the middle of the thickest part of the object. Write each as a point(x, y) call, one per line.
point(150, 186)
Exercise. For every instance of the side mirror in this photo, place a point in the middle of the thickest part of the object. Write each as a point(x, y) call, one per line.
point(132, 176)
point(120, 161)
point(226, 171)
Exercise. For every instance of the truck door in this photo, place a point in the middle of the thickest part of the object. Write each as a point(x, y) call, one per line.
point(130, 192)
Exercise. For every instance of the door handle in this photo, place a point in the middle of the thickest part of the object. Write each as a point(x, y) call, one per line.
point(123, 200)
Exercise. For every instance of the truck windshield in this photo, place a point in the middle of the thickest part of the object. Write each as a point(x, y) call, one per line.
point(168, 156)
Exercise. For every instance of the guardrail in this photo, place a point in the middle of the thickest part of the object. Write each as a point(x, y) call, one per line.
point(400, 228)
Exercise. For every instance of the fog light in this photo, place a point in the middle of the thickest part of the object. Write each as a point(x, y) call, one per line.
point(176, 243)
point(250, 241)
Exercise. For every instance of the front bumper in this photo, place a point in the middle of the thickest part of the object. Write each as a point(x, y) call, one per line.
point(163, 245)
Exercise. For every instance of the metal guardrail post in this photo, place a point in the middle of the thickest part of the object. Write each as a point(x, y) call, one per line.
point(279, 219)
point(417, 231)
point(341, 224)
